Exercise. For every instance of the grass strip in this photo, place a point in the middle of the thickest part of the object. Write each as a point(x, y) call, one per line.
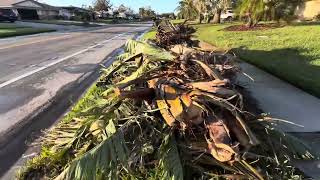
point(22, 31)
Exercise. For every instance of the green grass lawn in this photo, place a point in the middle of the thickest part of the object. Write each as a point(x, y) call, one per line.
point(64, 23)
point(9, 30)
point(291, 52)
point(80, 23)
point(116, 21)
point(9, 26)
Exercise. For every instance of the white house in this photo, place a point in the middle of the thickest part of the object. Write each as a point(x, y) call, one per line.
point(66, 14)
point(30, 9)
point(308, 10)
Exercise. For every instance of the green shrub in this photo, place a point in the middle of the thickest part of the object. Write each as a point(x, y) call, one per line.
point(317, 17)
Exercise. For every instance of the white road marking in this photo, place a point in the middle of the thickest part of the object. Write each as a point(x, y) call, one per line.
point(29, 155)
point(6, 83)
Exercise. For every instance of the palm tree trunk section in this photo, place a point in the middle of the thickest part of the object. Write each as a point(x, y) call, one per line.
point(217, 16)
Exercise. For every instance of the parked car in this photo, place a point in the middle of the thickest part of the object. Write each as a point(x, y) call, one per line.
point(8, 15)
point(228, 15)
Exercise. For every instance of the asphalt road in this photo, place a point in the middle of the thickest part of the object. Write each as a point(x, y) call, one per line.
point(40, 71)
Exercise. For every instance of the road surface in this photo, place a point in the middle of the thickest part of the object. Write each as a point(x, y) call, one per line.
point(40, 71)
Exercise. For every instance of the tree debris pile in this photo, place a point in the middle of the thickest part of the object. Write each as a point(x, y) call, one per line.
point(163, 115)
point(169, 34)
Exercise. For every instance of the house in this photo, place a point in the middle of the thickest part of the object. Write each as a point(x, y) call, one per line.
point(65, 14)
point(308, 10)
point(123, 12)
point(30, 9)
point(76, 12)
point(104, 14)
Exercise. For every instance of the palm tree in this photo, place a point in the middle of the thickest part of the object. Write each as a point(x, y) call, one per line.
point(186, 9)
point(253, 10)
point(201, 6)
point(217, 6)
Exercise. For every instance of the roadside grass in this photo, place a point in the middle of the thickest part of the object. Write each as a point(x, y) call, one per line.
point(116, 21)
point(292, 52)
point(177, 21)
point(105, 21)
point(80, 23)
point(88, 99)
point(20, 31)
point(150, 34)
point(9, 26)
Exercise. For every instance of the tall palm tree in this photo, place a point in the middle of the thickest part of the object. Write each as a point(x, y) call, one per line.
point(217, 6)
point(186, 9)
point(253, 10)
point(201, 6)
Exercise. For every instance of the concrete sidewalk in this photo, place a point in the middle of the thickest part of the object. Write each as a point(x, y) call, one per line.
point(282, 100)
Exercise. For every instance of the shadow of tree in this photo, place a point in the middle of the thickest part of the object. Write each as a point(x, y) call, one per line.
point(306, 23)
point(289, 64)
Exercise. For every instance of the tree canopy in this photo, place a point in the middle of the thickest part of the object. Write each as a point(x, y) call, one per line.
point(102, 5)
point(256, 10)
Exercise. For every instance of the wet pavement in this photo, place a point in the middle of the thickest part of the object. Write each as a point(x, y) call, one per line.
point(48, 70)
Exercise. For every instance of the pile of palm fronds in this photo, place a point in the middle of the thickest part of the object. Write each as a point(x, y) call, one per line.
point(165, 116)
point(169, 34)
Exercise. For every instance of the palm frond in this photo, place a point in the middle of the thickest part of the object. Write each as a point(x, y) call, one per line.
point(101, 162)
point(154, 53)
point(170, 166)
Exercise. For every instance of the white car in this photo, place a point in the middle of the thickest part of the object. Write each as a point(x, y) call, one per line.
point(227, 15)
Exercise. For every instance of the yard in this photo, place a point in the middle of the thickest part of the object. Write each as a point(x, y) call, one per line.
point(291, 52)
point(63, 23)
point(9, 30)
point(95, 23)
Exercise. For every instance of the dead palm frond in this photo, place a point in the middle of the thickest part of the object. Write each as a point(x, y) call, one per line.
point(169, 116)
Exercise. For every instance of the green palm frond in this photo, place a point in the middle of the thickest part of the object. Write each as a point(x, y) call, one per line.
point(170, 166)
point(155, 53)
point(101, 162)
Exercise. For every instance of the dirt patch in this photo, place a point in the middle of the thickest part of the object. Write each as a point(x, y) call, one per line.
point(255, 28)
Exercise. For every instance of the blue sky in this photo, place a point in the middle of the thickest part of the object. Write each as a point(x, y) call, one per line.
point(160, 6)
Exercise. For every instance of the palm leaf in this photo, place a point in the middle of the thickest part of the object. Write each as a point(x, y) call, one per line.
point(155, 53)
point(101, 162)
point(170, 166)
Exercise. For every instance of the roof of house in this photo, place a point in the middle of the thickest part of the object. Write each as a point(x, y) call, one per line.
point(73, 8)
point(9, 3)
point(13, 3)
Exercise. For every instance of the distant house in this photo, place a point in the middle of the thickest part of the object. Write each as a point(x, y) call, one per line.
point(65, 14)
point(104, 14)
point(123, 12)
point(308, 10)
point(30, 9)
point(78, 12)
